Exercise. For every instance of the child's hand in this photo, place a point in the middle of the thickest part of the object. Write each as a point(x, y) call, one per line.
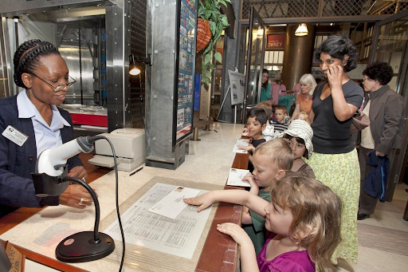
point(203, 201)
point(236, 232)
point(245, 130)
point(250, 179)
point(246, 148)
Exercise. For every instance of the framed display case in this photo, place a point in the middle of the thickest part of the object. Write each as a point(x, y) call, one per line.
point(185, 69)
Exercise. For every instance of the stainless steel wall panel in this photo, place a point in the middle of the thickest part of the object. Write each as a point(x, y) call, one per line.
point(117, 52)
point(161, 29)
point(161, 25)
point(16, 7)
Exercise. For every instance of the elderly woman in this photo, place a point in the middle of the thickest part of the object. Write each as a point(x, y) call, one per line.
point(335, 161)
point(304, 99)
point(36, 120)
point(385, 108)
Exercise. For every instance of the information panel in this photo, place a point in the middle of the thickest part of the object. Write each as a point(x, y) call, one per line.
point(186, 68)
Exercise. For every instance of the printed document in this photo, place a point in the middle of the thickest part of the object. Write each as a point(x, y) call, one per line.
point(244, 142)
point(178, 237)
point(235, 177)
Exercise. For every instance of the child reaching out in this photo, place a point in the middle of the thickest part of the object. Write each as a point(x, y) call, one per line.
point(256, 123)
point(300, 134)
point(303, 219)
point(271, 160)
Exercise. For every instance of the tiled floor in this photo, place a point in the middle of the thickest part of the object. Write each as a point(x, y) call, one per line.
point(383, 238)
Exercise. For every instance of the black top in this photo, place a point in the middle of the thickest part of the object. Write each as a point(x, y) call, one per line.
point(331, 136)
point(255, 143)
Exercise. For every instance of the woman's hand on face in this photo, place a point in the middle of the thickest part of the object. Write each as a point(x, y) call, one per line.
point(236, 232)
point(335, 75)
point(75, 196)
point(78, 172)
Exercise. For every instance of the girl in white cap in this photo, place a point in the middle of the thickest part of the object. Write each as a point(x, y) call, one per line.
point(300, 134)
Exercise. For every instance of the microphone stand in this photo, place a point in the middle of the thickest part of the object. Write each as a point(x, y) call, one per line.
point(82, 246)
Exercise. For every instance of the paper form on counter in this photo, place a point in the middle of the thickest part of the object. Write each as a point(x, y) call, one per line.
point(235, 177)
point(244, 142)
point(172, 204)
point(176, 237)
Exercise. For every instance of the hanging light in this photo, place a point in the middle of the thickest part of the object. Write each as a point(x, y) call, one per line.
point(301, 30)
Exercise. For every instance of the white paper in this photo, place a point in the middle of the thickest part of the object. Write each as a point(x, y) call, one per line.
point(176, 237)
point(30, 266)
point(244, 142)
point(235, 177)
point(172, 204)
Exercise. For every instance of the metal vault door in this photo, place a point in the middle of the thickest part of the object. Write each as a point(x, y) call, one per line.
point(254, 61)
point(390, 45)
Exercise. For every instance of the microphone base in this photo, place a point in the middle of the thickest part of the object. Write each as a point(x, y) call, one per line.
point(81, 247)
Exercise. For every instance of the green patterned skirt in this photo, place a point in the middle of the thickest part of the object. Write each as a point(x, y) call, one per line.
point(341, 172)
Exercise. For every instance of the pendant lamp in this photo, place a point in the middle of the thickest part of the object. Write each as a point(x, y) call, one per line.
point(301, 30)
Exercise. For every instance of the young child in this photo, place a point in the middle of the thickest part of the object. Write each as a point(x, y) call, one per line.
point(279, 121)
point(303, 116)
point(303, 219)
point(300, 134)
point(256, 123)
point(271, 160)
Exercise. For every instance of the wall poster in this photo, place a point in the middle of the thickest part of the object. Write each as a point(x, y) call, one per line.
point(185, 65)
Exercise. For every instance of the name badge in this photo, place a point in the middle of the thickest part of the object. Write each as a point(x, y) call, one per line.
point(15, 135)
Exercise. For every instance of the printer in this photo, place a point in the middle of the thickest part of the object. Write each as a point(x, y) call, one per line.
point(130, 149)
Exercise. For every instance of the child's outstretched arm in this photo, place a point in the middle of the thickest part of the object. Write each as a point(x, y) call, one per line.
point(247, 250)
point(241, 197)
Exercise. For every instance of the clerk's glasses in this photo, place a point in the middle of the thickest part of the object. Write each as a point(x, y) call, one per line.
point(59, 88)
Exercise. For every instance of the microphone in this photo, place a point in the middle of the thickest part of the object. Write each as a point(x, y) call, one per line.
point(52, 161)
point(82, 246)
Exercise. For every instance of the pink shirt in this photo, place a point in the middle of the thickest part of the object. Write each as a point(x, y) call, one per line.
point(276, 92)
point(293, 261)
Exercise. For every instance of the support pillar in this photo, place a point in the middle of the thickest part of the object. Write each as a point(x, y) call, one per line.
point(298, 55)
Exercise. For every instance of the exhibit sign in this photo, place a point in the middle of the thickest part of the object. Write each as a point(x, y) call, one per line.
point(237, 85)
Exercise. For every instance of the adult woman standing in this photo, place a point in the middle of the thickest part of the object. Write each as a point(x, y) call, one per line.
point(41, 71)
point(385, 108)
point(266, 87)
point(304, 99)
point(335, 161)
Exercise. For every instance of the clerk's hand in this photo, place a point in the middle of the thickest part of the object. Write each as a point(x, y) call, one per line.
point(75, 196)
point(78, 172)
point(203, 201)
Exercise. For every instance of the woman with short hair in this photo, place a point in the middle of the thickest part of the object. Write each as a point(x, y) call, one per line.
point(334, 160)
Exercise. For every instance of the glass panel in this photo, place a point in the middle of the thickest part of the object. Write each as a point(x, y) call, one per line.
point(255, 61)
point(392, 49)
point(392, 41)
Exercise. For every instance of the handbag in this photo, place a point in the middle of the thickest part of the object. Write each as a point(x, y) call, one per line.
point(359, 121)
